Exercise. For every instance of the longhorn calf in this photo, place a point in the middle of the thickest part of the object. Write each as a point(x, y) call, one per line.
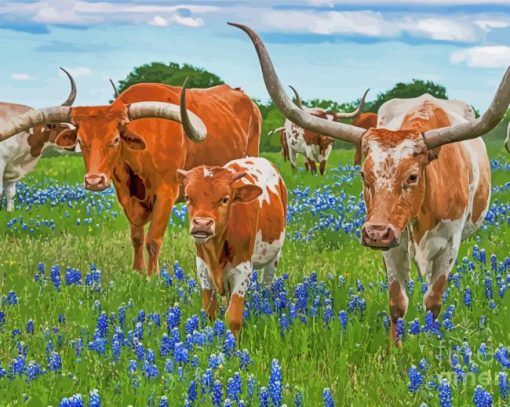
point(237, 220)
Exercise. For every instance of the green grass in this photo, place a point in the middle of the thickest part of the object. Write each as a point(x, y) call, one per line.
point(357, 364)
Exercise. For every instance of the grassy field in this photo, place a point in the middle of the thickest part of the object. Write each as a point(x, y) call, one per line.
point(66, 267)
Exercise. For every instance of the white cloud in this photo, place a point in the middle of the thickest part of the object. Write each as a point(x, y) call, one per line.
point(483, 57)
point(489, 24)
point(331, 3)
point(21, 77)
point(77, 71)
point(159, 21)
point(440, 29)
point(83, 12)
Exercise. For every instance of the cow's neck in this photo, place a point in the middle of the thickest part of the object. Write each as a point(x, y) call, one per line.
point(37, 140)
point(215, 253)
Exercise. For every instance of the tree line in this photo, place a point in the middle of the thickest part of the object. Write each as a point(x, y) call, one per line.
point(175, 74)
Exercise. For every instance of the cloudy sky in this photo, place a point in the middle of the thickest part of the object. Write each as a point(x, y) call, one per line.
point(326, 48)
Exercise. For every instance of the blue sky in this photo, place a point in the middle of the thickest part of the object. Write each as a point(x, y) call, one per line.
point(331, 49)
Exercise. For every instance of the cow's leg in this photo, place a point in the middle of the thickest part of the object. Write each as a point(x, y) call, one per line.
point(209, 303)
point(323, 158)
point(240, 280)
point(269, 270)
point(442, 264)
point(137, 239)
point(10, 193)
point(160, 217)
point(2, 169)
point(312, 166)
point(396, 261)
point(293, 158)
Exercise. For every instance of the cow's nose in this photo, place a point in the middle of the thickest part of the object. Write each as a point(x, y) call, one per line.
point(203, 223)
point(96, 182)
point(380, 236)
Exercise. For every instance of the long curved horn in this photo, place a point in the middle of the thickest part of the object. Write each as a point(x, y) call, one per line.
point(300, 117)
point(23, 122)
point(72, 95)
point(193, 126)
point(358, 110)
point(273, 131)
point(297, 98)
point(479, 127)
point(116, 92)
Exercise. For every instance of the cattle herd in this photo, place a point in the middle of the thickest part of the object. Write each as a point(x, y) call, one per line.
point(425, 171)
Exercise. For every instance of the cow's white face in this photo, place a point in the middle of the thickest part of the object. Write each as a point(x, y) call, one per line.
point(394, 187)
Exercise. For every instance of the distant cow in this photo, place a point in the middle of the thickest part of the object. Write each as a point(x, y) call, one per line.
point(365, 120)
point(315, 147)
point(20, 154)
point(237, 220)
point(139, 143)
point(426, 177)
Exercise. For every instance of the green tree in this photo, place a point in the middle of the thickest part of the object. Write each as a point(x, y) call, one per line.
point(408, 90)
point(170, 74)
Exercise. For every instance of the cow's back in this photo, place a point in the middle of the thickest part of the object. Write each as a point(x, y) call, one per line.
point(233, 122)
point(266, 214)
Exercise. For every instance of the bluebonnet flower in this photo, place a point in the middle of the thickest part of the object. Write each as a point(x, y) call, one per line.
point(181, 353)
point(178, 271)
point(32, 371)
point(424, 364)
point(217, 393)
point(169, 366)
point(116, 351)
point(502, 356)
point(415, 379)
point(73, 401)
point(328, 314)
point(163, 402)
point(173, 317)
point(284, 324)
point(138, 331)
point(327, 397)
point(3, 373)
point(482, 256)
point(251, 387)
point(234, 387)
point(54, 362)
point(445, 394)
point(414, 327)
point(431, 324)
point(503, 385)
point(166, 346)
point(72, 276)
point(298, 399)
point(166, 276)
point(229, 345)
point(191, 324)
point(244, 359)
point(488, 287)
point(95, 399)
point(483, 350)
point(482, 398)
point(466, 353)
point(264, 397)
point(342, 316)
point(98, 344)
point(122, 315)
point(150, 370)
point(2, 319)
point(55, 277)
point(400, 329)
point(132, 366)
point(139, 350)
point(141, 316)
point(11, 298)
point(102, 324)
point(275, 383)
point(468, 297)
point(207, 381)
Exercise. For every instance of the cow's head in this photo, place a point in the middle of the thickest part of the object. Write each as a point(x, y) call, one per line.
point(210, 193)
point(393, 183)
point(102, 131)
point(394, 160)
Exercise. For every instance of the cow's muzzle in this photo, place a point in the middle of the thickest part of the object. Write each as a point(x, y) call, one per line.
point(380, 236)
point(202, 229)
point(96, 182)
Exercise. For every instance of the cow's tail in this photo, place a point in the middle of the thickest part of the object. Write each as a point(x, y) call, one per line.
point(254, 133)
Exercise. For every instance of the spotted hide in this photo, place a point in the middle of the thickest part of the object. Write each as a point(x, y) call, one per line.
point(237, 220)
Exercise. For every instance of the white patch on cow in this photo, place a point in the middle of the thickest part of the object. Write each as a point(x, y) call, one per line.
point(266, 252)
point(386, 161)
point(324, 155)
point(208, 173)
point(204, 274)
point(236, 279)
point(266, 176)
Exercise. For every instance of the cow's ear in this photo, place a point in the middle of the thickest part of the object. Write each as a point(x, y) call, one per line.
point(246, 193)
point(132, 141)
point(66, 138)
point(182, 176)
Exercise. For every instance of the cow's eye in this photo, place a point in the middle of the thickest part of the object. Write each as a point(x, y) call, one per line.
point(225, 200)
point(115, 141)
point(412, 179)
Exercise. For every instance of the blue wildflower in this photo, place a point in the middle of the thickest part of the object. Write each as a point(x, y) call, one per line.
point(275, 386)
point(415, 379)
point(217, 393)
point(503, 385)
point(229, 345)
point(95, 399)
point(327, 397)
point(482, 398)
point(54, 362)
point(445, 394)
